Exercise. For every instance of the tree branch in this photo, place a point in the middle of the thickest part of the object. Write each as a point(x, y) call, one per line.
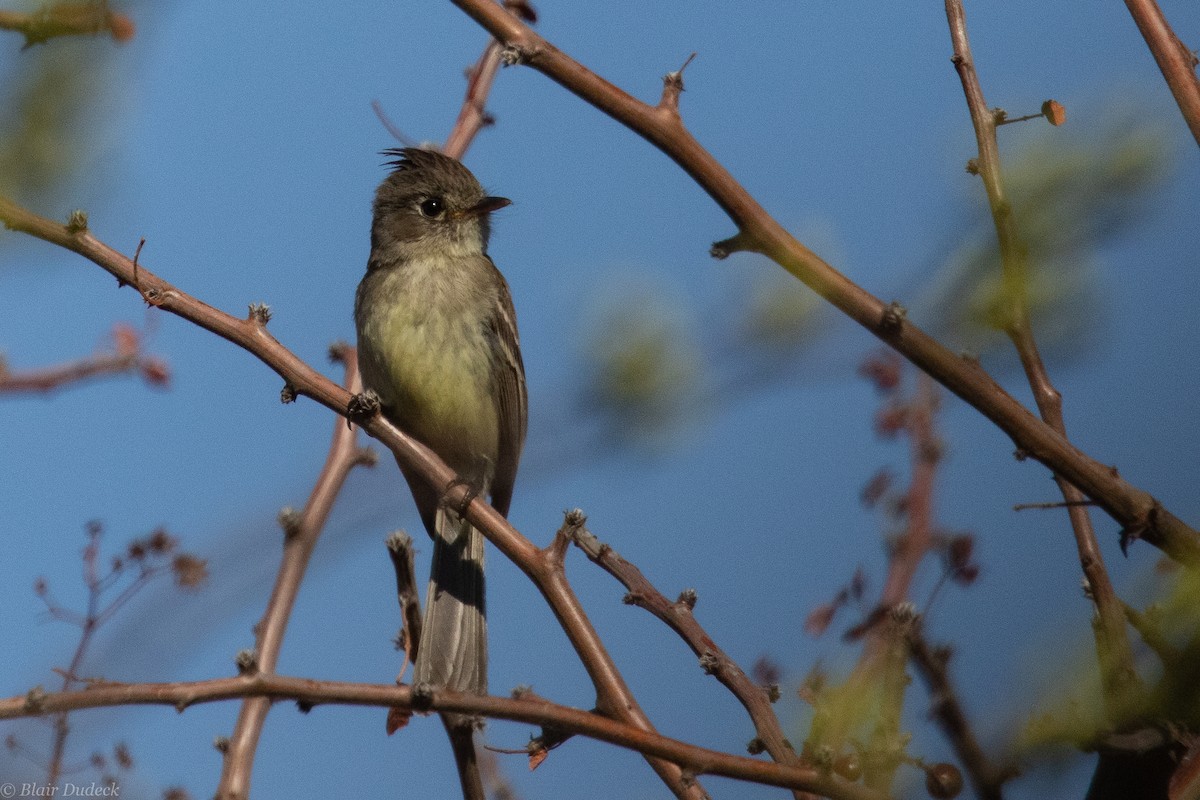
point(1115, 653)
point(1134, 508)
point(678, 617)
point(544, 568)
point(309, 693)
point(1175, 60)
point(950, 717)
point(127, 356)
point(301, 532)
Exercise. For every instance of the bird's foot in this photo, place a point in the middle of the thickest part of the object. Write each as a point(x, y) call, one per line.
point(363, 406)
point(475, 480)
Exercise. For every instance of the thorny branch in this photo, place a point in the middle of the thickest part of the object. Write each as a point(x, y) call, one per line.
point(1116, 656)
point(309, 693)
point(544, 568)
point(1134, 508)
point(678, 616)
point(301, 532)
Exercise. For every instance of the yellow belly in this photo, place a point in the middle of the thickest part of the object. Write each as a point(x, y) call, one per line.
point(434, 375)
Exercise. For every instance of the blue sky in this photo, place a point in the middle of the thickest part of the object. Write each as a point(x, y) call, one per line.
point(239, 141)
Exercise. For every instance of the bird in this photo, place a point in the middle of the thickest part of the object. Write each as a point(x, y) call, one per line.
point(438, 346)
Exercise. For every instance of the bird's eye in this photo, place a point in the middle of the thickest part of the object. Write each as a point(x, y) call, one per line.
point(432, 207)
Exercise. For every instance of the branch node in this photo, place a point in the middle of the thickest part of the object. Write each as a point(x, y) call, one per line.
point(687, 599)
point(709, 662)
point(584, 539)
point(247, 662)
point(35, 700)
point(77, 222)
point(893, 318)
point(569, 531)
point(905, 613)
point(1131, 533)
point(153, 297)
point(260, 313)
point(739, 243)
point(221, 744)
point(289, 520)
point(288, 394)
point(673, 87)
point(512, 55)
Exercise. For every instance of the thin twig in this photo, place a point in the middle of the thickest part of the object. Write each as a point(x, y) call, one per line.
point(390, 126)
point(1050, 506)
point(881, 667)
point(679, 618)
point(536, 711)
point(1136, 509)
point(613, 696)
point(99, 610)
point(50, 379)
point(1116, 656)
point(400, 551)
point(127, 356)
point(300, 539)
point(1152, 634)
point(948, 712)
point(473, 117)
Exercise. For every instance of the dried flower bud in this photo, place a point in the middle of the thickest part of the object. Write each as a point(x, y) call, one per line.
point(943, 781)
point(1054, 112)
point(190, 572)
point(849, 766)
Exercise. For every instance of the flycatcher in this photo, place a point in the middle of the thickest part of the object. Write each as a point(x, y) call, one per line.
point(437, 342)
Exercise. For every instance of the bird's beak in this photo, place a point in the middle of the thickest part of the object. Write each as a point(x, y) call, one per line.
point(486, 206)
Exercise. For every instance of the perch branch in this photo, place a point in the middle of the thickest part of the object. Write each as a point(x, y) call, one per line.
point(250, 333)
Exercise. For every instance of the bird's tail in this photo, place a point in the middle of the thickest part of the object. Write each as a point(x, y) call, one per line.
point(453, 649)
